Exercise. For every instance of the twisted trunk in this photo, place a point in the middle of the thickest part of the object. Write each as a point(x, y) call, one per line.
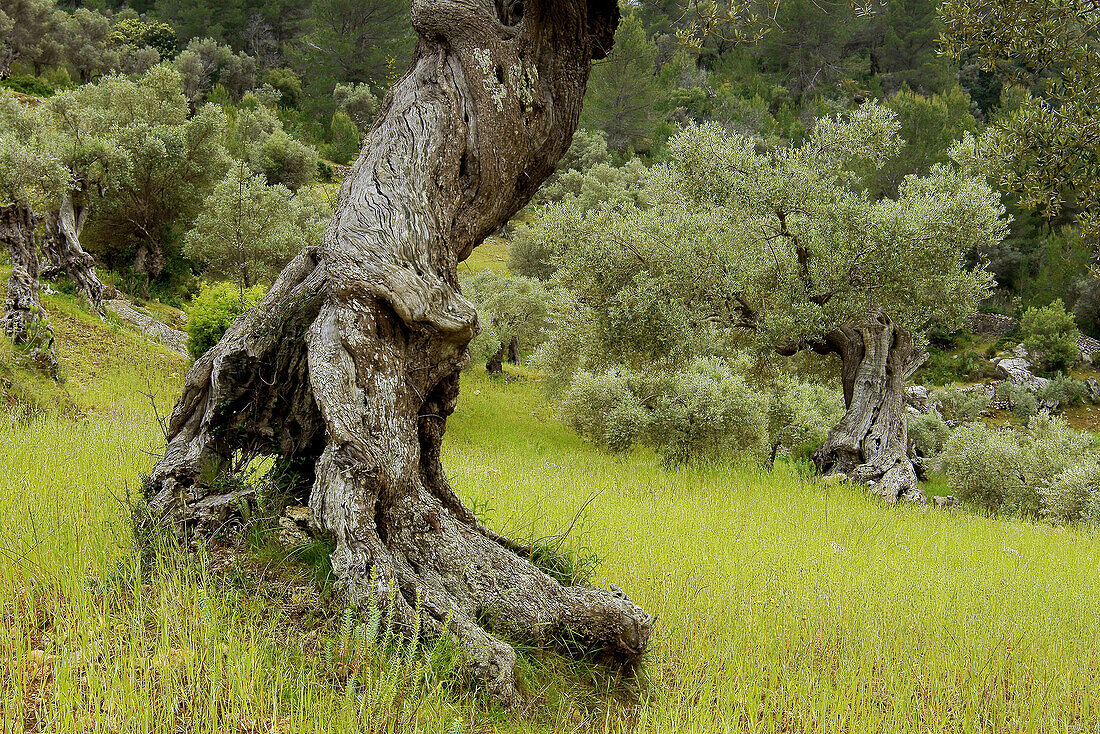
point(870, 444)
point(23, 319)
point(63, 255)
point(349, 367)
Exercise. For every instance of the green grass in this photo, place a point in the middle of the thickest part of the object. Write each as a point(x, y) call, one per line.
point(781, 604)
point(490, 255)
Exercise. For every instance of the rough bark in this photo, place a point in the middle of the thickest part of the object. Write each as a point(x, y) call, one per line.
point(63, 255)
point(495, 364)
point(513, 350)
point(349, 367)
point(23, 319)
point(870, 444)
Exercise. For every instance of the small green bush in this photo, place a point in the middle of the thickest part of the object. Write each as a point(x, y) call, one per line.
point(1004, 469)
point(1052, 332)
point(705, 412)
point(345, 138)
point(929, 433)
point(212, 311)
point(27, 84)
point(1066, 391)
point(801, 413)
point(945, 367)
point(284, 160)
point(1073, 496)
point(1022, 403)
point(958, 406)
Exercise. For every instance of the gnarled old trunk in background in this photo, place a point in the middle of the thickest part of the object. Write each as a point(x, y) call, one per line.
point(23, 318)
point(870, 444)
point(63, 255)
point(349, 367)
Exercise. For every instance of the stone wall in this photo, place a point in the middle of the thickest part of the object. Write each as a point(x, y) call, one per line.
point(992, 324)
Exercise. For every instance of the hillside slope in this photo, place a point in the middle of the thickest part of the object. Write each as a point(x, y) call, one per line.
point(782, 604)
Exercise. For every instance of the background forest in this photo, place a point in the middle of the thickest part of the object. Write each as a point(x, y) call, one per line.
point(317, 69)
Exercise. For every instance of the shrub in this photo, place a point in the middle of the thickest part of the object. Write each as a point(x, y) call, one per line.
point(702, 413)
point(1052, 332)
point(1022, 403)
point(287, 83)
point(1074, 495)
point(958, 406)
point(928, 433)
point(1066, 391)
point(605, 409)
point(345, 138)
point(212, 311)
point(1003, 470)
point(707, 413)
point(531, 253)
point(284, 160)
point(945, 367)
point(801, 413)
point(357, 102)
point(28, 84)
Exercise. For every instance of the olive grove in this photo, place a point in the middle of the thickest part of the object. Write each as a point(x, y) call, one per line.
point(780, 250)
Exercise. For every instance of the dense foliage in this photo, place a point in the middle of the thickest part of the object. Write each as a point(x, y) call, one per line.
point(213, 310)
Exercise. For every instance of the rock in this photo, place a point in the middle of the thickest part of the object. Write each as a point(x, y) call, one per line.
point(1089, 348)
point(298, 513)
point(1094, 389)
point(1017, 370)
point(174, 339)
point(290, 533)
point(916, 397)
point(913, 496)
point(945, 501)
point(991, 324)
point(296, 526)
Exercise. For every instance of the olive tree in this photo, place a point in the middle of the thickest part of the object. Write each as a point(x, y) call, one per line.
point(32, 180)
point(349, 367)
point(785, 248)
point(513, 311)
point(1047, 149)
point(175, 159)
point(248, 230)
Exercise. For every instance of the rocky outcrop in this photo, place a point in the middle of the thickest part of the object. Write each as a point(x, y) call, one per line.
point(1089, 348)
point(1017, 369)
point(158, 331)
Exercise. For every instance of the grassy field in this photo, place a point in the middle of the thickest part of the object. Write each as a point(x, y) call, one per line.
point(782, 604)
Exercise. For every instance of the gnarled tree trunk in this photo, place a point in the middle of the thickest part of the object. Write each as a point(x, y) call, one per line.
point(63, 255)
point(350, 365)
point(23, 319)
point(870, 444)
